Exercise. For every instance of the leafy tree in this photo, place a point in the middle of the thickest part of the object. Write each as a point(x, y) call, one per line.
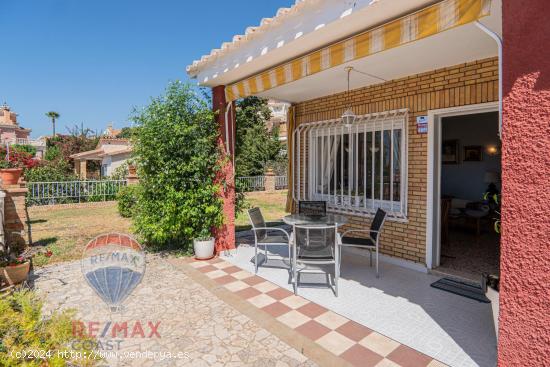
point(177, 160)
point(255, 148)
point(53, 116)
point(125, 133)
point(24, 148)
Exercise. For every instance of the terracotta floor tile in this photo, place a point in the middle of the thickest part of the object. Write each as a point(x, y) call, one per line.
point(408, 357)
point(216, 274)
point(379, 344)
point(435, 363)
point(354, 330)
point(198, 264)
point(312, 310)
point(242, 275)
point(361, 356)
point(225, 279)
point(232, 269)
point(261, 300)
point(215, 260)
point(387, 363)
point(207, 268)
point(222, 265)
point(331, 320)
point(277, 309)
point(248, 293)
point(294, 302)
point(280, 293)
point(335, 343)
point(293, 319)
point(265, 287)
point(236, 286)
point(313, 330)
point(253, 280)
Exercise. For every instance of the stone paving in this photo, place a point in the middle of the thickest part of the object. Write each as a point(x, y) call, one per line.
point(202, 328)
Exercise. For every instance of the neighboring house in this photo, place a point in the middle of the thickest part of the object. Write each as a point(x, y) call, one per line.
point(111, 152)
point(11, 133)
point(399, 105)
point(279, 110)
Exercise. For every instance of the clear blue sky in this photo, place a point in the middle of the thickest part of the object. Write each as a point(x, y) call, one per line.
point(93, 60)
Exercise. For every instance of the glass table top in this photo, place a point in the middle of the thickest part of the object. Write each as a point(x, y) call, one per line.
point(328, 219)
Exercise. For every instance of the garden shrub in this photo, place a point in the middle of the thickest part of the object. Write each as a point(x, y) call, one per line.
point(25, 148)
point(59, 170)
point(127, 198)
point(178, 158)
point(23, 327)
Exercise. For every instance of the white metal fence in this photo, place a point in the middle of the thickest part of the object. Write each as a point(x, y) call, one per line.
point(63, 192)
point(258, 183)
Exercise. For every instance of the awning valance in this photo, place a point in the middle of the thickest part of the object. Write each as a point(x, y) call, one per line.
point(434, 19)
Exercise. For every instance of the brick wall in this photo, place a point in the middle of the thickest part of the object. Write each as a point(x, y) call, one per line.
point(15, 216)
point(465, 84)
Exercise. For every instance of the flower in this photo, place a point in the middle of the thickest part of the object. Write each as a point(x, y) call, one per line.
point(49, 253)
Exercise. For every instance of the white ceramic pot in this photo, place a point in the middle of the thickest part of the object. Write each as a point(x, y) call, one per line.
point(204, 249)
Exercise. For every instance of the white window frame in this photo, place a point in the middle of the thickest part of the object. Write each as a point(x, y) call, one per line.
point(306, 175)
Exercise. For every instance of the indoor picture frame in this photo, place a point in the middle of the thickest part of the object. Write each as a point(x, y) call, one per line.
point(473, 153)
point(450, 152)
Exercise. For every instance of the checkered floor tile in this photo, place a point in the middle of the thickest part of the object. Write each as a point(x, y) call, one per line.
point(347, 339)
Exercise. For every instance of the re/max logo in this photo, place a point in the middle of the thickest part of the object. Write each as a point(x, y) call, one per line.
point(126, 329)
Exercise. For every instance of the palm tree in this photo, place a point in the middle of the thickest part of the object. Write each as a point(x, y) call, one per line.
point(53, 115)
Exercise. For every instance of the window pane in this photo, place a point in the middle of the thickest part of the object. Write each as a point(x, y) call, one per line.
point(397, 165)
point(318, 163)
point(387, 165)
point(361, 165)
point(369, 164)
point(377, 160)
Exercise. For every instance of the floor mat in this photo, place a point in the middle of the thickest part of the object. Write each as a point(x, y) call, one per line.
point(461, 288)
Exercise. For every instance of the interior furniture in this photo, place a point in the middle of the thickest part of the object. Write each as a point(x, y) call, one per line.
point(370, 243)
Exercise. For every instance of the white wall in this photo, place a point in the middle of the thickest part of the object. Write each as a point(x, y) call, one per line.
point(465, 180)
point(113, 162)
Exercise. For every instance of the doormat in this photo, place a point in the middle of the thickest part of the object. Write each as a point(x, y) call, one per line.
point(464, 289)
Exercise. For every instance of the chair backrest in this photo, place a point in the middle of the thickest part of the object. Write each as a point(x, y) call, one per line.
point(377, 223)
point(317, 242)
point(314, 208)
point(257, 221)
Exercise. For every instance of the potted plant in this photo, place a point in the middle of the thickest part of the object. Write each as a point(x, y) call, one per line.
point(14, 268)
point(132, 167)
point(203, 245)
point(10, 172)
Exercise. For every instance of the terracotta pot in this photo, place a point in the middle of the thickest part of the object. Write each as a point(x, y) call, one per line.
point(204, 249)
point(10, 176)
point(15, 274)
point(132, 170)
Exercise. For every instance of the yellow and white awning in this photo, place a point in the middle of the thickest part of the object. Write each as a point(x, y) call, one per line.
point(424, 23)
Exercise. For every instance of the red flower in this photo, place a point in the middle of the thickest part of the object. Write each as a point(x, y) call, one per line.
point(49, 253)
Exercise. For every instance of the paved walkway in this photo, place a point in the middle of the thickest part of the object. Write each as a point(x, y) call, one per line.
point(202, 328)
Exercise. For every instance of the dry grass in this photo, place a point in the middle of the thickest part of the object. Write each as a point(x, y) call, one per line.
point(66, 231)
point(272, 205)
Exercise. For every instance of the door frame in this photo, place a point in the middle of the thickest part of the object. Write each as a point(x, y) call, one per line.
point(433, 197)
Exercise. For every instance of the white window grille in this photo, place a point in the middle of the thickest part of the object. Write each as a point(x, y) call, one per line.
point(356, 169)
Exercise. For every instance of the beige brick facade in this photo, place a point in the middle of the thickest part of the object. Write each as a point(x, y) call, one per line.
point(464, 84)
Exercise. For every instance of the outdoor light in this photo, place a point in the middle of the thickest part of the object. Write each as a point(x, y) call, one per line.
point(348, 117)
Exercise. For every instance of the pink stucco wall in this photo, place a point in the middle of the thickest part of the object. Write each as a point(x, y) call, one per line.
point(225, 236)
point(524, 334)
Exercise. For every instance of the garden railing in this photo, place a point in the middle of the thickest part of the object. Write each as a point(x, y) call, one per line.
point(64, 192)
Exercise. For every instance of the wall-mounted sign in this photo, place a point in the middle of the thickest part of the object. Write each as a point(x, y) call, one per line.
point(422, 124)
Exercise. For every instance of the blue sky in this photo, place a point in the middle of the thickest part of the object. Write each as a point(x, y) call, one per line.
point(94, 60)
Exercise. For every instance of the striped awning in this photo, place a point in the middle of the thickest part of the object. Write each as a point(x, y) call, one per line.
point(434, 19)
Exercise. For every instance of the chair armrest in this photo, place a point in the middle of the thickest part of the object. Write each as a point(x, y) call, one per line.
point(271, 229)
point(359, 230)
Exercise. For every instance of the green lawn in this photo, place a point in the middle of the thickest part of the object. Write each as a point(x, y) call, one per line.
point(67, 231)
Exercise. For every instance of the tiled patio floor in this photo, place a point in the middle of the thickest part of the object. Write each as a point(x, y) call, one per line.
point(400, 305)
point(344, 338)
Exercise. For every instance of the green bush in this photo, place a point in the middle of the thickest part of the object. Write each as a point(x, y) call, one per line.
point(127, 198)
point(51, 171)
point(52, 153)
point(23, 327)
point(178, 158)
point(25, 148)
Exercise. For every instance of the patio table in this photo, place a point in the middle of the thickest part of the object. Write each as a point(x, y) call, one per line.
point(313, 221)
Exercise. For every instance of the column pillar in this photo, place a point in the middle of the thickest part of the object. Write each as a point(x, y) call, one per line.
point(83, 172)
point(225, 235)
point(525, 248)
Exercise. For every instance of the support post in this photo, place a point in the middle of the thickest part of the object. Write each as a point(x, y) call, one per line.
point(525, 252)
point(225, 235)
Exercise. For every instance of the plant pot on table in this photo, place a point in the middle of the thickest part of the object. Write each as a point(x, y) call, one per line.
point(15, 274)
point(10, 176)
point(204, 248)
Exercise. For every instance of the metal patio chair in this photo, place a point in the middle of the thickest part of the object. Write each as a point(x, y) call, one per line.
point(370, 243)
point(316, 246)
point(262, 236)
